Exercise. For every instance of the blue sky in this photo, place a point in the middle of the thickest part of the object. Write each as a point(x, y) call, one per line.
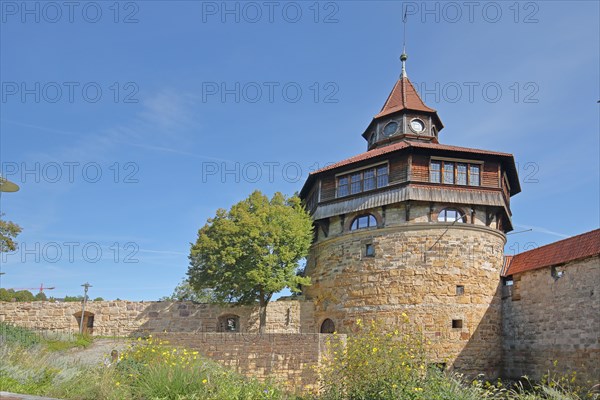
point(128, 124)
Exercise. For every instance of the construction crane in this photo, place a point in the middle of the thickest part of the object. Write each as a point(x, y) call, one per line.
point(41, 288)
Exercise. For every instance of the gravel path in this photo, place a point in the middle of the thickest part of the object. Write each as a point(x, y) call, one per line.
point(96, 353)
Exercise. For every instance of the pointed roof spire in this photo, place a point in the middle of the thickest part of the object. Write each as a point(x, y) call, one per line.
point(403, 96)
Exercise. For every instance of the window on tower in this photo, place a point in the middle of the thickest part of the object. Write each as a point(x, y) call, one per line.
point(362, 181)
point(454, 173)
point(435, 170)
point(363, 221)
point(451, 215)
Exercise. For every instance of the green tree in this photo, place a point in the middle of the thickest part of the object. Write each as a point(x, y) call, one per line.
point(185, 292)
point(23, 295)
point(73, 299)
point(41, 296)
point(8, 233)
point(252, 251)
point(98, 299)
point(6, 294)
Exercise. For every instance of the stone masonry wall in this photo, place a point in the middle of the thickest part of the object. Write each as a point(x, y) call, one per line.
point(123, 318)
point(548, 320)
point(444, 278)
point(290, 358)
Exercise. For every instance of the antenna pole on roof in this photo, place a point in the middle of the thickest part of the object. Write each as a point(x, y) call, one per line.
point(403, 56)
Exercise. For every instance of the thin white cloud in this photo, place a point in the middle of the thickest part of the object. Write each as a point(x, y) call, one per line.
point(543, 230)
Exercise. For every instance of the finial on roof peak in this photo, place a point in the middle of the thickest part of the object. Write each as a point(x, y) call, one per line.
point(403, 58)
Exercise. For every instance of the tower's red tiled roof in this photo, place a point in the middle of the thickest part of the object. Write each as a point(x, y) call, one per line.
point(571, 249)
point(402, 145)
point(403, 97)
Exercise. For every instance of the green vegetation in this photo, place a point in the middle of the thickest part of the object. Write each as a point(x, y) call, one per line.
point(185, 292)
point(8, 233)
point(252, 251)
point(17, 336)
point(376, 365)
point(370, 366)
point(148, 369)
point(19, 295)
point(73, 299)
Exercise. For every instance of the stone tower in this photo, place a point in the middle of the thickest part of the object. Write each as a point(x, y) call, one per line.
point(416, 227)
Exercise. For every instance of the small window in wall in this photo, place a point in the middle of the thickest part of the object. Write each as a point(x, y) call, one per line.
point(460, 290)
point(451, 215)
point(363, 221)
point(457, 323)
point(327, 326)
point(557, 272)
point(229, 323)
point(369, 250)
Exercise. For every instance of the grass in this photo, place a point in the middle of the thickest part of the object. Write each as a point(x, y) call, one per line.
point(80, 341)
point(370, 366)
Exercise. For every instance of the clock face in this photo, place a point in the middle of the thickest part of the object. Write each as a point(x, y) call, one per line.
point(390, 128)
point(417, 125)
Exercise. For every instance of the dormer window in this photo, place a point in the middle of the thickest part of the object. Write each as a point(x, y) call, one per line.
point(390, 128)
point(372, 138)
point(362, 181)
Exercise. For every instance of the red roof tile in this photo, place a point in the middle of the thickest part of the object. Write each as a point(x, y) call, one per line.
point(573, 248)
point(402, 145)
point(403, 97)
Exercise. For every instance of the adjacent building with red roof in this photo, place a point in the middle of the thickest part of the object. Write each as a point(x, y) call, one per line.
point(551, 310)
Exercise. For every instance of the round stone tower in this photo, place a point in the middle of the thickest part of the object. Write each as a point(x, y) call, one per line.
point(417, 228)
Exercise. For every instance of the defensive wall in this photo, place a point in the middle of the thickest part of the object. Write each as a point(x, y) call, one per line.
point(551, 322)
point(126, 318)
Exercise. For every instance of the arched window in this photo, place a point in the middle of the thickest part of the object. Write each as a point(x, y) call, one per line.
point(229, 323)
point(363, 221)
point(451, 215)
point(327, 326)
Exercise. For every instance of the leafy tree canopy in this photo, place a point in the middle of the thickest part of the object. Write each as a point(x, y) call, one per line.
point(8, 233)
point(185, 292)
point(18, 295)
point(252, 251)
point(73, 299)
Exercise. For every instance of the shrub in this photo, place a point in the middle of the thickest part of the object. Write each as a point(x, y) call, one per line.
point(15, 335)
point(373, 364)
point(153, 370)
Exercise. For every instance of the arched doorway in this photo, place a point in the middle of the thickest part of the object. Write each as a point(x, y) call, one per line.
point(88, 322)
point(327, 326)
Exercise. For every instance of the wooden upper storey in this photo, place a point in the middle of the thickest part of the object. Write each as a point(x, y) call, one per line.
point(410, 170)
